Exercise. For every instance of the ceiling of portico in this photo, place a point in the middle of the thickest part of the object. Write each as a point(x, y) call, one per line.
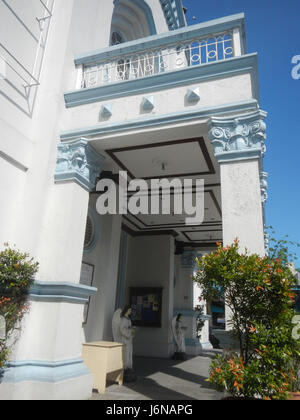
point(169, 153)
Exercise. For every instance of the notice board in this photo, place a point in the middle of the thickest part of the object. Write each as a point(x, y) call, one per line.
point(146, 303)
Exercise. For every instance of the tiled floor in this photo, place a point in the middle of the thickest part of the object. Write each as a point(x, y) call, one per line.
point(161, 379)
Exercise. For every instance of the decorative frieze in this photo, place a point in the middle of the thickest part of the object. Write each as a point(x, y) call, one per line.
point(171, 14)
point(148, 103)
point(193, 95)
point(106, 111)
point(78, 161)
point(264, 186)
point(267, 243)
point(239, 138)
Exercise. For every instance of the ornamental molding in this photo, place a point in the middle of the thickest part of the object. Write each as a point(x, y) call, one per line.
point(267, 243)
point(173, 12)
point(193, 95)
point(148, 103)
point(242, 137)
point(77, 161)
point(264, 186)
point(61, 292)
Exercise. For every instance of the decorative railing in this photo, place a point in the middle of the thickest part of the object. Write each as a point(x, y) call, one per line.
point(184, 48)
point(149, 63)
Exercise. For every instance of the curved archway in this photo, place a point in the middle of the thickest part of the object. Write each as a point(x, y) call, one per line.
point(133, 19)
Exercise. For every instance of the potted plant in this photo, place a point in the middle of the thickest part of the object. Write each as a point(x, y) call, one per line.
point(17, 271)
point(258, 294)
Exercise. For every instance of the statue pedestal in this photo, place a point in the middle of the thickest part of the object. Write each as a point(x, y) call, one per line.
point(129, 376)
point(105, 361)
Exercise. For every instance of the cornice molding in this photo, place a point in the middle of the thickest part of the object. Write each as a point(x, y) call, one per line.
point(242, 137)
point(174, 15)
point(78, 161)
point(61, 292)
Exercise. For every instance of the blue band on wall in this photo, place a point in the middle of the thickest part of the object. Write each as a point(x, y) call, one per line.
point(40, 371)
point(61, 292)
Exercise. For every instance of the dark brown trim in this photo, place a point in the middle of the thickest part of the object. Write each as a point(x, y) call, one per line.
point(153, 233)
point(201, 245)
point(211, 170)
point(130, 194)
point(185, 234)
point(214, 199)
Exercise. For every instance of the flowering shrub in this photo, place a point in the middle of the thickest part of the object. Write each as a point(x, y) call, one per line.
point(17, 273)
point(258, 293)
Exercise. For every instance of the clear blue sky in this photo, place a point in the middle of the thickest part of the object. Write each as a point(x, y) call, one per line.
point(273, 30)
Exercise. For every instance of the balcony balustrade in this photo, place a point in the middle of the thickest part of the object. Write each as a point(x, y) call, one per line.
point(197, 45)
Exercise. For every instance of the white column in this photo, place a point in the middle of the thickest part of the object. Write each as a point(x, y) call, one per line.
point(185, 304)
point(46, 360)
point(239, 145)
point(239, 149)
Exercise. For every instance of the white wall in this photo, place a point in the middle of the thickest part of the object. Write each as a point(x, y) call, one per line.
point(150, 263)
point(105, 257)
point(241, 205)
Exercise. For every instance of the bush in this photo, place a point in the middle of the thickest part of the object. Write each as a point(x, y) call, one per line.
point(258, 293)
point(17, 271)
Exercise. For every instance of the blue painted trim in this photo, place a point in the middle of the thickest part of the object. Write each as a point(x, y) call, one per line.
point(40, 371)
point(186, 312)
point(192, 342)
point(61, 292)
point(181, 16)
point(196, 74)
point(157, 121)
point(174, 15)
point(78, 162)
point(238, 155)
point(164, 40)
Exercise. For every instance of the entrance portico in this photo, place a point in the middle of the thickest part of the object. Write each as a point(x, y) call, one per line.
point(195, 120)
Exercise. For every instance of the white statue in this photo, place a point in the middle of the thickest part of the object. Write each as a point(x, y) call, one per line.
point(179, 334)
point(123, 332)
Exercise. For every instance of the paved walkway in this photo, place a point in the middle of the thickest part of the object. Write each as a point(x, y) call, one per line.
point(162, 379)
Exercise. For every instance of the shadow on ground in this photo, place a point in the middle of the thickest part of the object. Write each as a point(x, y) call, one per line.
point(164, 379)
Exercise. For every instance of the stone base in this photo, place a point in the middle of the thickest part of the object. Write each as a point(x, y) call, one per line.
point(206, 346)
point(74, 389)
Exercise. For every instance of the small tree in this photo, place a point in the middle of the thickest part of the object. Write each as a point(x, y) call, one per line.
point(17, 273)
point(258, 293)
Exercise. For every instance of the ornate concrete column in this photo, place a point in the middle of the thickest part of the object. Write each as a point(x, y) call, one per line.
point(46, 362)
point(239, 145)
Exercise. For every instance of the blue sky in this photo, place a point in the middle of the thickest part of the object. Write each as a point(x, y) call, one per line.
point(273, 30)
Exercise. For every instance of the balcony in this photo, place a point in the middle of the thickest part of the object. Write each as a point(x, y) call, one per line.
point(191, 54)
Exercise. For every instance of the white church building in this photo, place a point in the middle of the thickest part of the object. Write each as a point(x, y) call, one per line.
point(89, 88)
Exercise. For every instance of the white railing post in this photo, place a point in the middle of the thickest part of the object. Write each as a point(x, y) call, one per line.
point(172, 57)
point(236, 40)
point(79, 77)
